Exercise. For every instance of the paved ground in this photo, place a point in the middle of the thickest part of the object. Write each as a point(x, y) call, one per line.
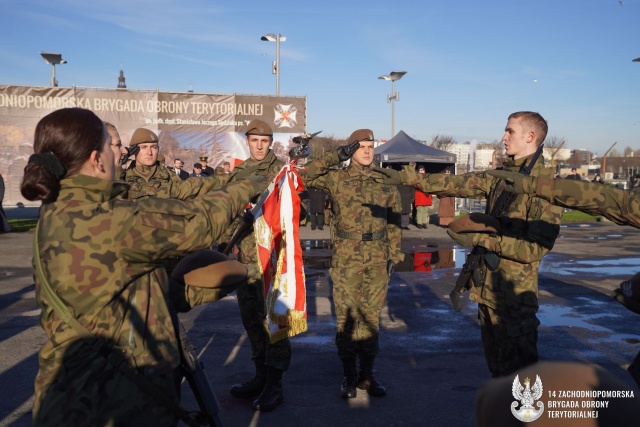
point(431, 359)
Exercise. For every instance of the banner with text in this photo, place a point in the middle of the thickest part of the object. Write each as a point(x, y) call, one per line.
point(189, 125)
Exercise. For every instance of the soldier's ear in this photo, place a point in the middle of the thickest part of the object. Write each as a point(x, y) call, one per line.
point(531, 136)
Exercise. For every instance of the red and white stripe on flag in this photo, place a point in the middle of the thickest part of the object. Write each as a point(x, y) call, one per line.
point(277, 233)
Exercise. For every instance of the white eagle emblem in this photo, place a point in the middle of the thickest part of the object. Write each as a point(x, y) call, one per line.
point(285, 116)
point(526, 397)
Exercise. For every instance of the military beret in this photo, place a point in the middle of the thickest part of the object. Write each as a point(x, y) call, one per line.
point(628, 294)
point(204, 158)
point(160, 158)
point(258, 127)
point(361, 135)
point(209, 269)
point(143, 136)
point(476, 222)
point(197, 166)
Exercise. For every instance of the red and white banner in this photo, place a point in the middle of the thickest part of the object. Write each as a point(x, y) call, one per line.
point(277, 233)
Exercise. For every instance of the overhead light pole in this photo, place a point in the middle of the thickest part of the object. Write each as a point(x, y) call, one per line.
point(53, 59)
point(394, 96)
point(275, 66)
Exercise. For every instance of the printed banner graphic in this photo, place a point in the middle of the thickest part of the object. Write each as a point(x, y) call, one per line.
point(189, 125)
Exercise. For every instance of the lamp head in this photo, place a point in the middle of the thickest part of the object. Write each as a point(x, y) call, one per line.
point(397, 75)
point(393, 76)
point(273, 37)
point(52, 58)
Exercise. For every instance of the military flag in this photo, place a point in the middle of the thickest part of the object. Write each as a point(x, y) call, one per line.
point(277, 232)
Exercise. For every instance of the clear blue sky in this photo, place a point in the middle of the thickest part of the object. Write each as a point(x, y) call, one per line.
point(470, 63)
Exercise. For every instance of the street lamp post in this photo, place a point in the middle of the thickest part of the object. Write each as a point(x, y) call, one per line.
point(275, 67)
point(394, 96)
point(53, 59)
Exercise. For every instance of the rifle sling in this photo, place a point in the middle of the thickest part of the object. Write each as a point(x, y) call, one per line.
point(113, 357)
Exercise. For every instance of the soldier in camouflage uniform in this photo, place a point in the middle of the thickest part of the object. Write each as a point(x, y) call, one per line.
point(508, 297)
point(102, 256)
point(366, 237)
point(623, 208)
point(271, 360)
point(146, 177)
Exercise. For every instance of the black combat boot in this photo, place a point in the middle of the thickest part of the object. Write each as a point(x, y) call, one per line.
point(350, 380)
point(365, 377)
point(254, 386)
point(272, 394)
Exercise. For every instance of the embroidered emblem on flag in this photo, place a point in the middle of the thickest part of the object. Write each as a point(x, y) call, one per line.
point(277, 233)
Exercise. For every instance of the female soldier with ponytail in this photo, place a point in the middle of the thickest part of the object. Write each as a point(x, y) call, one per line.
point(106, 306)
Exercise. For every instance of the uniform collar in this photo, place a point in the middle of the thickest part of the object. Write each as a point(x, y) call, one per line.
point(512, 164)
point(359, 169)
point(90, 189)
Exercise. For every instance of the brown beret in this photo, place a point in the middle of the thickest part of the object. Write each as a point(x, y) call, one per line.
point(204, 276)
point(204, 158)
point(142, 136)
point(258, 127)
point(361, 135)
point(628, 294)
point(476, 222)
point(209, 269)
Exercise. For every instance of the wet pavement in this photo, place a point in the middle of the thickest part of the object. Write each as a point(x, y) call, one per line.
point(430, 358)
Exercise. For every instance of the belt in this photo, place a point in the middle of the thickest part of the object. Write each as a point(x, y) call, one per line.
point(366, 237)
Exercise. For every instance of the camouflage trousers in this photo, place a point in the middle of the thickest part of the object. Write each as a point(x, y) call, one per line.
point(359, 295)
point(510, 342)
point(252, 312)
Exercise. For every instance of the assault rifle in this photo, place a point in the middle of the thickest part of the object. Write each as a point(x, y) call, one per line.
point(196, 376)
point(479, 256)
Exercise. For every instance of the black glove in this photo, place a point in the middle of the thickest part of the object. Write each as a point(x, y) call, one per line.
point(391, 268)
point(131, 151)
point(346, 151)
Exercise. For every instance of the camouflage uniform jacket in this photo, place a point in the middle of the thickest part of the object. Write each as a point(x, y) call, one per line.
point(619, 206)
point(157, 181)
point(360, 205)
point(102, 256)
point(269, 167)
point(530, 227)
